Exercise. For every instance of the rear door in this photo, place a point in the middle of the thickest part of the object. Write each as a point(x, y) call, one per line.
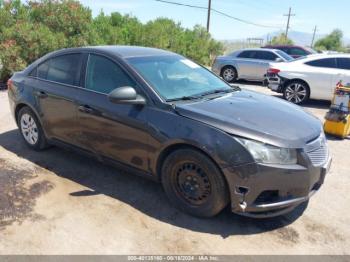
point(264, 58)
point(247, 64)
point(322, 75)
point(115, 131)
point(56, 84)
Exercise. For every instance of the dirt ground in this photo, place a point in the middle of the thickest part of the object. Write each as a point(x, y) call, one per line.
point(58, 202)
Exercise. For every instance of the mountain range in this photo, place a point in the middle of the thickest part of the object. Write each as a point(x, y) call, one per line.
point(299, 38)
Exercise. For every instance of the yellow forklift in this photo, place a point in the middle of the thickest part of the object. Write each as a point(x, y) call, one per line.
point(338, 117)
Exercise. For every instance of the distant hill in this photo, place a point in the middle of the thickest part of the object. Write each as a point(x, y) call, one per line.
point(299, 38)
point(302, 38)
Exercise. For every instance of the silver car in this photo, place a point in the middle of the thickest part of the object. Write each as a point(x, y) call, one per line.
point(248, 64)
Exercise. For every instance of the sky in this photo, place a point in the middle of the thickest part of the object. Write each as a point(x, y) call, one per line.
point(325, 14)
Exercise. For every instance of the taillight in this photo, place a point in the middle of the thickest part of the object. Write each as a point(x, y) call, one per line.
point(9, 83)
point(273, 71)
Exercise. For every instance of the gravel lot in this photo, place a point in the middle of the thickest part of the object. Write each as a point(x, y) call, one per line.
point(58, 202)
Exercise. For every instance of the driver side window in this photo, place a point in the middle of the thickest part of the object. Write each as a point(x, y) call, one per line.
point(103, 75)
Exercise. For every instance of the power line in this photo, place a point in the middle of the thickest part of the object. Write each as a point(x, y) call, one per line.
point(243, 21)
point(181, 4)
point(218, 12)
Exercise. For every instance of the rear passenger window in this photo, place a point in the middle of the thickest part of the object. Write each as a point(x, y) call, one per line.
point(34, 72)
point(42, 69)
point(64, 69)
point(343, 63)
point(265, 55)
point(247, 54)
point(103, 75)
point(326, 62)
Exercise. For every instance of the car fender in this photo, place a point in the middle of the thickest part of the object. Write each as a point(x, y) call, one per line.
point(220, 146)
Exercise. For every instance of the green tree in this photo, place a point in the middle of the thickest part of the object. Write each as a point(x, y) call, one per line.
point(28, 30)
point(333, 41)
point(281, 39)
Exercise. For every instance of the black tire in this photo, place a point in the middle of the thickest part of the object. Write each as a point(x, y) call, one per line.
point(206, 193)
point(41, 142)
point(296, 92)
point(229, 74)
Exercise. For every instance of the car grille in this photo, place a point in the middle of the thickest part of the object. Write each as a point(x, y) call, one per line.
point(317, 151)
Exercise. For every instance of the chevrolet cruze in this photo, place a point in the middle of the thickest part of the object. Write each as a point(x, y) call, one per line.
point(160, 115)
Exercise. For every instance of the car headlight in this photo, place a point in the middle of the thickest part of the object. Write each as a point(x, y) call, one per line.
point(268, 154)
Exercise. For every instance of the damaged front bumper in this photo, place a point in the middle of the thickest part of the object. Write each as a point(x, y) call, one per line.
point(275, 82)
point(260, 191)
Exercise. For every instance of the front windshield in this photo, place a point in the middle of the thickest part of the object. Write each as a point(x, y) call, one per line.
point(175, 77)
point(285, 55)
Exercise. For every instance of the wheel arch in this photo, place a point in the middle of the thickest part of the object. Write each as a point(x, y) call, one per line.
point(288, 81)
point(21, 105)
point(178, 146)
point(229, 65)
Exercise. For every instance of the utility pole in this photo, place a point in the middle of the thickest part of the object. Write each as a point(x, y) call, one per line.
point(208, 18)
point(289, 15)
point(313, 37)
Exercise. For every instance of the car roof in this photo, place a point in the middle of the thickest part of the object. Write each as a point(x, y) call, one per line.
point(119, 50)
point(313, 57)
point(257, 49)
point(318, 56)
point(279, 46)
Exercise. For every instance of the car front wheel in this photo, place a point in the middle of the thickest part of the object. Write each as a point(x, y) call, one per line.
point(296, 92)
point(194, 184)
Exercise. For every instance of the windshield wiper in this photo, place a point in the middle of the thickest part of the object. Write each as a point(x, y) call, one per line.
point(183, 98)
point(216, 91)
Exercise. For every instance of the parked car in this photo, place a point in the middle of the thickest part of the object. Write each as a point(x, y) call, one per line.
point(313, 77)
point(160, 115)
point(293, 50)
point(248, 64)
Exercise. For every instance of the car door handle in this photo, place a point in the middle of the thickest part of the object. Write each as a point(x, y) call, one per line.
point(85, 109)
point(41, 94)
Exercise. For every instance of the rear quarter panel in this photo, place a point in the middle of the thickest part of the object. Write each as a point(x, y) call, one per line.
point(21, 94)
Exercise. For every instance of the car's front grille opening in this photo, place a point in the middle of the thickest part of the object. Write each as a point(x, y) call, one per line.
point(268, 196)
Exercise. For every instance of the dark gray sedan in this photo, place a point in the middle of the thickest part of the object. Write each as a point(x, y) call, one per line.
point(248, 64)
point(160, 115)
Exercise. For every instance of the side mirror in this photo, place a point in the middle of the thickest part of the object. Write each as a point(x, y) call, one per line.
point(126, 95)
point(278, 60)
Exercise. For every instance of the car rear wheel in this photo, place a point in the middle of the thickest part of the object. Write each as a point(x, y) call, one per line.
point(31, 130)
point(194, 184)
point(229, 74)
point(296, 92)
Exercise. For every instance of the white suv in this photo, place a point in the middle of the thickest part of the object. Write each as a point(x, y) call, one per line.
point(313, 77)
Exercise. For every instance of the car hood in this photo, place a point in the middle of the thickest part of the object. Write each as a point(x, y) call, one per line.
point(260, 117)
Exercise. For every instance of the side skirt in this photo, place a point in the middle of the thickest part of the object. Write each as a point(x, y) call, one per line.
point(104, 159)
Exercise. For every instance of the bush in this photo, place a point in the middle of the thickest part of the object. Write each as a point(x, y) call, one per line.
point(30, 30)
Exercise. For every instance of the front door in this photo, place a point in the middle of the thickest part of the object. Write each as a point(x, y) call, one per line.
point(116, 131)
